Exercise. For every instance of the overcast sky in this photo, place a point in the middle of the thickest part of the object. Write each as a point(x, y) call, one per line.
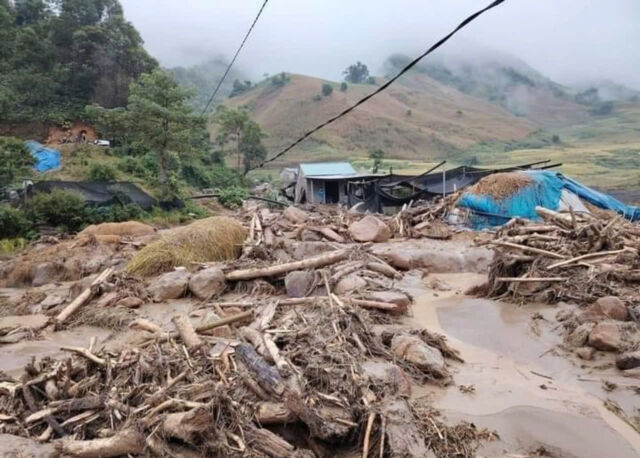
point(571, 41)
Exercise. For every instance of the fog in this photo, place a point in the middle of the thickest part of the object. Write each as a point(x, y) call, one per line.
point(570, 41)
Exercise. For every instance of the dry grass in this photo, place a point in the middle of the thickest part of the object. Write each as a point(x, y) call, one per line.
point(126, 229)
point(211, 239)
point(501, 185)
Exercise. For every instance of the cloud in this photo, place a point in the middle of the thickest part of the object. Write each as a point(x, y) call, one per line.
point(571, 41)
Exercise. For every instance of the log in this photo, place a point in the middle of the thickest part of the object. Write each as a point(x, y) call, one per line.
point(266, 375)
point(529, 249)
point(551, 215)
point(187, 333)
point(31, 403)
point(384, 269)
point(274, 353)
point(86, 353)
point(331, 424)
point(84, 297)
point(402, 435)
point(125, 442)
point(529, 279)
point(51, 389)
point(329, 233)
point(269, 443)
point(146, 325)
point(270, 413)
point(269, 238)
point(279, 269)
point(367, 434)
point(385, 306)
point(186, 425)
point(586, 256)
point(156, 397)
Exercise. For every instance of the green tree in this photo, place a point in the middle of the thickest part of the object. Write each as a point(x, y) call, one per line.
point(241, 136)
point(343, 86)
point(15, 160)
point(327, 89)
point(377, 155)
point(356, 73)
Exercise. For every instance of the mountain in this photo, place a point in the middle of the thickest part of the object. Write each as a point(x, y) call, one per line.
point(421, 119)
point(502, 80)
point(611, 91)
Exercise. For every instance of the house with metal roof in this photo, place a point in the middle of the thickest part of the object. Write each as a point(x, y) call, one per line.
point(323, 182)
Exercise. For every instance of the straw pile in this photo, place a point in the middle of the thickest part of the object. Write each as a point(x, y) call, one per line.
point(125, 229)
point(211, 239)
point(501, 185)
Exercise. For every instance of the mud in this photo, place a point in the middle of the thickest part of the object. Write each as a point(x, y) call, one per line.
point(535, 397)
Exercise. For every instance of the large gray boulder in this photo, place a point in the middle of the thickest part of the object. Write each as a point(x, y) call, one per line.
point(415, 351)
point(369, 229)
point(298, 283)
point(295, 215)
point(172, 285)
point(207, 283)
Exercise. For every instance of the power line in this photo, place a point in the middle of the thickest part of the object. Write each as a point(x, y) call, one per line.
point(226, 72)
point(385, 85)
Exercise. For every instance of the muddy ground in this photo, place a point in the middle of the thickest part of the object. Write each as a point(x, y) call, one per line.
point(517, 379)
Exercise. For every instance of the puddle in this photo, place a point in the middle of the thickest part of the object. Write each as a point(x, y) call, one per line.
point(532, 397)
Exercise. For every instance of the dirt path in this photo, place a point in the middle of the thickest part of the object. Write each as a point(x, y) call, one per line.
point(535, 399)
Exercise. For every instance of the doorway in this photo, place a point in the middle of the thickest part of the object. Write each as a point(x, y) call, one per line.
point(332, 192)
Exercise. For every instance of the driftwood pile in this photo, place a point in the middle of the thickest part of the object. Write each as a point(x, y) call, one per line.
point(567, 257)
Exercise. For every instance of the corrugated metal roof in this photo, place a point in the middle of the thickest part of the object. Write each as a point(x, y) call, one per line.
point(327, 168)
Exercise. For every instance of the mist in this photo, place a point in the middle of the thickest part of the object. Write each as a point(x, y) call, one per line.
point(571, 41)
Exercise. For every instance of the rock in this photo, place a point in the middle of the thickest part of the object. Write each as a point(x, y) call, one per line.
point(310, 236)
point(303, 250)
point(416, 351)
point(298, 283)
point(207, 283)
point(295, 215)
point(369, 229)
point(350, 283)
point(585, 353)
point(107, 299)
point(564, 315)
point(606, 336)
point(131, 302)
point(580, 335)
point(14, 447)
point(45, 272)
point(37, 321)
point(629, 360)
point(612, 307)
point(51, 301)
point(392, 297)
point(385, 372)
point(171, 285)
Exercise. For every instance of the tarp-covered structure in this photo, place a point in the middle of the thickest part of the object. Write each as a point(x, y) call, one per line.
point(325, 182)
point(101, 193)
point(46, 158)
point(517, 194)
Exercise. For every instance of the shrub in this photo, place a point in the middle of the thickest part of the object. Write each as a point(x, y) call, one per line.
point(101, 172)
point(602, 109)
point(343, 86)
point(327, 89)
point(8, 246)
point(232, 196)
point(13, 222)
point(115, 213)
point(65, 209)
point(15, 160)
point(133, 166)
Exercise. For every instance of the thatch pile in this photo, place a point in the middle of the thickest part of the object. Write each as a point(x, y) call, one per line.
point(124, 229)
point(501, 185)
point(211, 239)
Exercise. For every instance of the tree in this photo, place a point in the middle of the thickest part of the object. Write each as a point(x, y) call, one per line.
point(356, 73)
point(327, 89)
point(377, 155)
point(240, 88)
point(343, 86)
point(15, 160)
point(162, 119)
point(242, 135)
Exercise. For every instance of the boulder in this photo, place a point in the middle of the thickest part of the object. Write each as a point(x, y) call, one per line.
point(207, 283)
point(44, 273)
point(585, 353)
point(606, 336)
point(385, 372)
point(369, 229)
point(580, 335)
point(171, 285)
point(51, 301)
point(392, 297)
point(417, 352)
point(629, 360)
point(310, 236)
point(303, 250)
point(298, 283)
point(295, 215)
point(131, 302)
point(350, 283)
point(612, 307)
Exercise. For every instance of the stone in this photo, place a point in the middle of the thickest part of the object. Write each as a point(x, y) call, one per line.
point(207, 283)
point(295, 215)
point(580, 335)
point(44, 273)
point(350, 283)
point(172, 285)
point(131, 302)
point(107, 299)
point(304, 250)
point(585, 353)
point(298, 283)
point(612, 307)
point(385, 372)
point(369, 229)
point(308, 235)
point(606, 336)
point(564, 315)
point(417, 352)
point(51, 301)
point(392, 297)
point(629, 360)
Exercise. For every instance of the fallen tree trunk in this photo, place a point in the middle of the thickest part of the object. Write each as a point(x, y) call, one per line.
point(269, 413)
point(269, 443)
point(272, 271)
point(84, 297)
point(186, 425)
point(187, 333)
point(126, 442)
point(266, 375)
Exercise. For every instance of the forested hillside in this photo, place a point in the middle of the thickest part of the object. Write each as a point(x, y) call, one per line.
point(57, 56)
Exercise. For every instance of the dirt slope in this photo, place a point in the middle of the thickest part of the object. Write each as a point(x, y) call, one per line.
point(419, 122)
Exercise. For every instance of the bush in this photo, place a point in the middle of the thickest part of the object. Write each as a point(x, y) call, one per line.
point(327, 89)
point(8, 246)
point(14, 223)
point(343, 86)
point(602, 109)
point(65, 209)
point(133, 166)
point(232, 196)
point(101, 172)
point(115, 214)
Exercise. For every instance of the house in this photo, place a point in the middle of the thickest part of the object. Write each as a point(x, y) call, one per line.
point(323, 182)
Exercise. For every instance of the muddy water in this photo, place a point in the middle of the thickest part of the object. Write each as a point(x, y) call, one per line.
point(532, 397)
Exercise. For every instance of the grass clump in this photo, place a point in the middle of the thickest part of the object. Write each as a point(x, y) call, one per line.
point(211, 239)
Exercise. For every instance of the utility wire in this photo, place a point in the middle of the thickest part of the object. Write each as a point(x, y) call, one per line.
point(226, 72)
point(385, 85)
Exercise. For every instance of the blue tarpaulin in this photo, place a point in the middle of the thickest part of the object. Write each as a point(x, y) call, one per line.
point(46, 158)
point(545, 190)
